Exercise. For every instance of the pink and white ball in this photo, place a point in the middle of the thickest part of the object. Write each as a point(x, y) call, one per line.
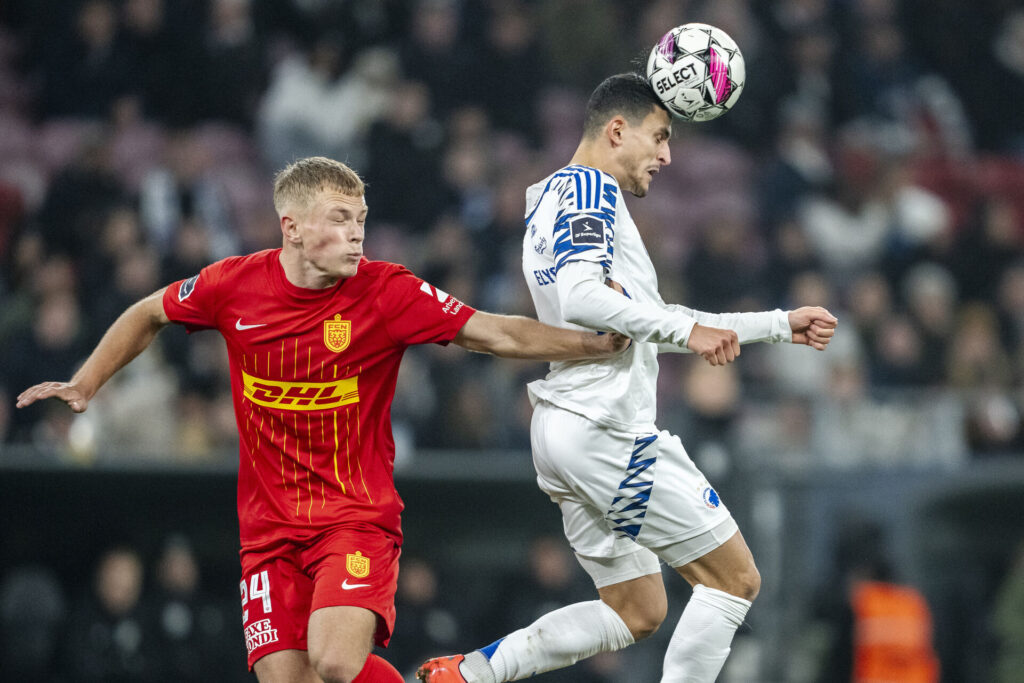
point(698, 71)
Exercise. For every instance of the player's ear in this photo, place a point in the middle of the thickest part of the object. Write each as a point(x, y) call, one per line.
point(290, 229)
point(614, 130)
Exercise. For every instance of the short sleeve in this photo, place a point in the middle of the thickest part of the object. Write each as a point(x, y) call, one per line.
point(191, 302)
point(584, 227)
point(419, 313)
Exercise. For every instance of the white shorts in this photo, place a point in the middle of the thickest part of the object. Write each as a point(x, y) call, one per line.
point(627, 499)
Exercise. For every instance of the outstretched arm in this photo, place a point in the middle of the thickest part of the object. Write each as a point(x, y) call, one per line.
point(716, 337)
point(513, 336)
point(129, 336)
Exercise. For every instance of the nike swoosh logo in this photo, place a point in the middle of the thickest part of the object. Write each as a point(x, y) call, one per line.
point(240, 326)
point(345, 585)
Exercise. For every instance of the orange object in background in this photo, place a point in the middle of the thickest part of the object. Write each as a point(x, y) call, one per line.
point(892, 635)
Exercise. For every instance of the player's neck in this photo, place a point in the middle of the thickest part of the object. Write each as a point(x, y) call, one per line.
point(302, 273)
point(594, 156)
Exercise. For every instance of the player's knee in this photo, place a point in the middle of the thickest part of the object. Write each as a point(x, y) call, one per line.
point(645, 628)
point(748, 583)
point(335, 668)
point(643, 619)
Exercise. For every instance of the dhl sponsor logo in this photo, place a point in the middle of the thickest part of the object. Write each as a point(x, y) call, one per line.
point(300, 395)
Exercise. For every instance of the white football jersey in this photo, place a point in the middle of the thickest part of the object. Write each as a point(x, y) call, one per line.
point(577, 224)
point(577, 214)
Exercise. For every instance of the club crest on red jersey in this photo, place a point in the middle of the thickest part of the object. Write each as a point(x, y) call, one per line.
point(337, 333)
point(357, 564)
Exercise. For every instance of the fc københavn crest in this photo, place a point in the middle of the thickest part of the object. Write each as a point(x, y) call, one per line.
point(337, 333)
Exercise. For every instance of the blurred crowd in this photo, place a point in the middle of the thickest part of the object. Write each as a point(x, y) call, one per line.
point(129, 621)
point(874, 165)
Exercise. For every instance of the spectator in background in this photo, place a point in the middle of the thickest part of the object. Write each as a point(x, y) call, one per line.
point(107, 640)
point(78, 200)
point(88, 73)
point(875, 216)
point(568, 28)
point(323, 102)
point(977, 359)
point(789, 255)
point(181, 188)
point(779, 363)
point(32, 613)
point(56, 342)
point(404, 147)
point(438, 53)
point(133, 275)
point(469, 168)
point(234, 72)
point(877, 630)
point(992, 240)
point(194, 633)
point(930, 296)
point(165, 65)
point(190, 250)
point(897, 355)
point(1011, 314)
point(800, 164)
point(724, 265)
point(117, 239)
point(513, 67)
point(425, 624)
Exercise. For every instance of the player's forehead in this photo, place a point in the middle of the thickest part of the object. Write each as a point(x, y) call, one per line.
point(658, 121)
point(333, 199)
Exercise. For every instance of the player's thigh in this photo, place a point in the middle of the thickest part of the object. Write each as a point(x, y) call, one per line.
point(356, 568)
point(730, 568)
point(275, 595)
point(285, 666)
point(678, 505)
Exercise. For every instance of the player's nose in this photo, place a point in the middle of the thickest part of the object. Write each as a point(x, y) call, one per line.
point(665, 155)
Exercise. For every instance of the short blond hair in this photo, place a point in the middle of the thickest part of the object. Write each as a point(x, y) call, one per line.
point(300, 181)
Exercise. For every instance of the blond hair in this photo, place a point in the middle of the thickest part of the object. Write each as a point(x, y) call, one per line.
point(300, 181)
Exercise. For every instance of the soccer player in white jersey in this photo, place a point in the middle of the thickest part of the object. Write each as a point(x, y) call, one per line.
point(630, 495)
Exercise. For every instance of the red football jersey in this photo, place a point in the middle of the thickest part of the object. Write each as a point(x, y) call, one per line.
point(313, 376)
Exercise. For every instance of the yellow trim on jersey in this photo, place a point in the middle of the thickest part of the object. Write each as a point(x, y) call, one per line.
point(300, 395)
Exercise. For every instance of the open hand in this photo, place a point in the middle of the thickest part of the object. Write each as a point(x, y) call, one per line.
point(812, 326)
point(713, 344)
point(65, 391)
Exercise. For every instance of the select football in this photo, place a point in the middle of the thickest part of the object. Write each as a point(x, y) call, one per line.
point(698, 71)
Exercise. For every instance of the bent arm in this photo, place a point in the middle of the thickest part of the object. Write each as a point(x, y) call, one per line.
point(587, 302)
point(129, 336)
point(513, 336)
point(764, 326)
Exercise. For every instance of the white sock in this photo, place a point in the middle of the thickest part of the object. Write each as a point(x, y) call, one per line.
point(700, 643)
point(556, 640)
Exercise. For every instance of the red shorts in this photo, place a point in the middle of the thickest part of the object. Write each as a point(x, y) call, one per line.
point(344, 567)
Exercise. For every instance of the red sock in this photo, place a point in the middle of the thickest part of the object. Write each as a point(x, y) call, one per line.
point(377, 670)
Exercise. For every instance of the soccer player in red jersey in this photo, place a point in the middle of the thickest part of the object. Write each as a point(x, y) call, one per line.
point(315, 333)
